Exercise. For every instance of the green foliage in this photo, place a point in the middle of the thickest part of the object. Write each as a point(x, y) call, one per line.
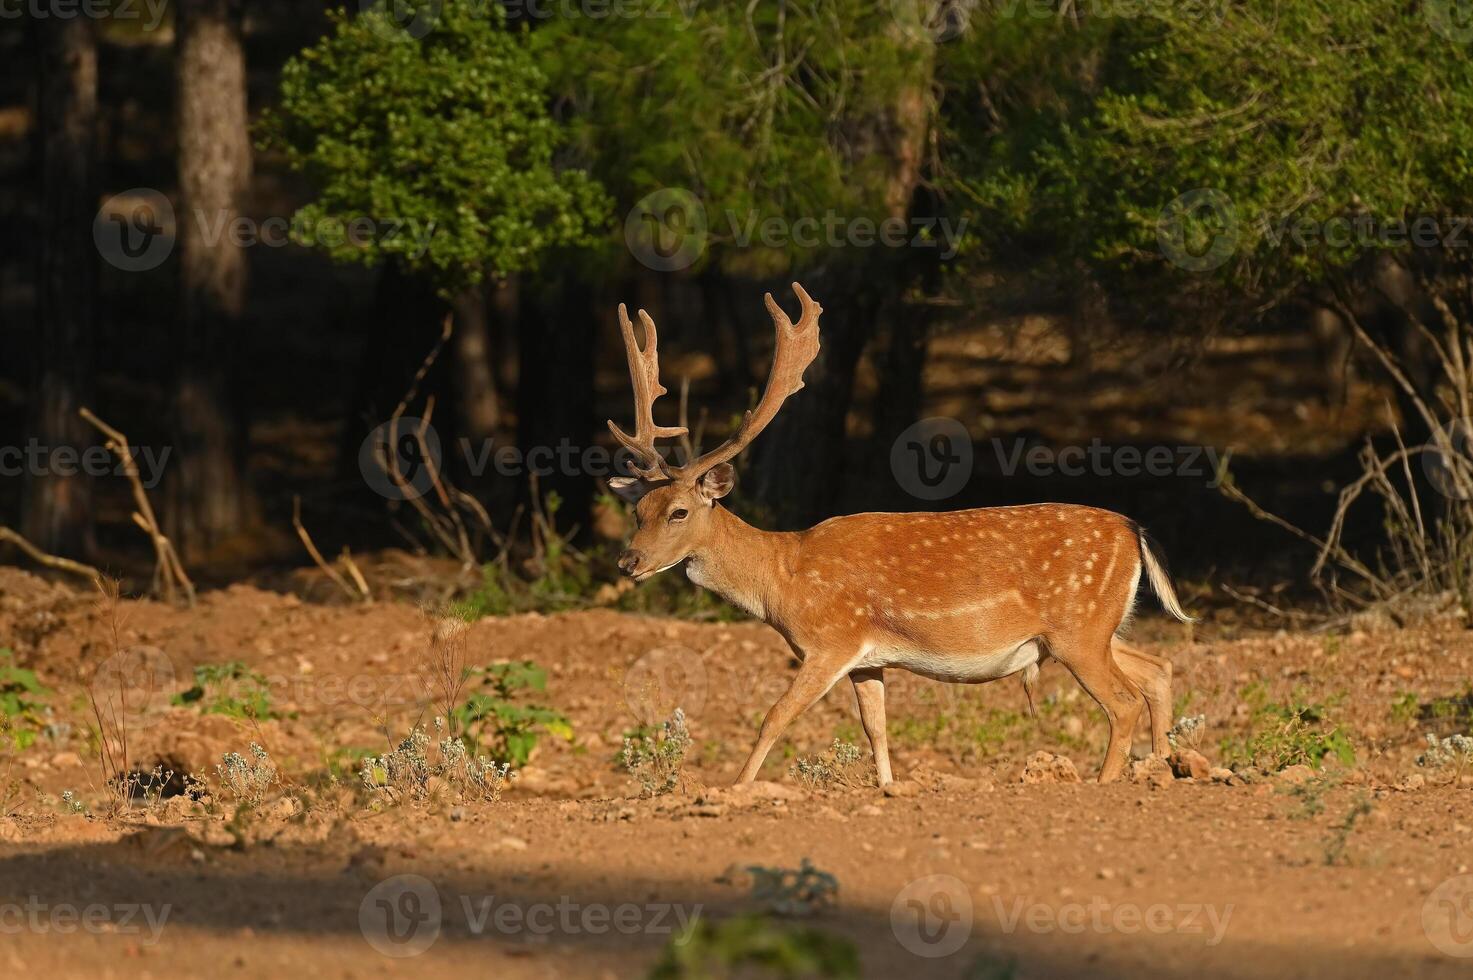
point(1308, 112)
point(762, 111)
point(754, 945)
point(497, 717)
point(22, 702)
point(1339, 838)
point(1288, 734)
point(230, 689)
point(448, 134)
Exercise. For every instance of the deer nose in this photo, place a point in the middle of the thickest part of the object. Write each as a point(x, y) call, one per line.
point(629, 561)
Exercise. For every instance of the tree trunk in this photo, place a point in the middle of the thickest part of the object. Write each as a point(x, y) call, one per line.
point(209, 499)
point(58, 508)
point(475, 380)
point(555, 393)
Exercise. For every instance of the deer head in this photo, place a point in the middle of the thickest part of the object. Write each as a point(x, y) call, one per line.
point(673, 505)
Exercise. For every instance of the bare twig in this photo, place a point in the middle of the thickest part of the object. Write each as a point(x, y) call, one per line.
point(50, 561)
point(358, 593)
point(168, 573)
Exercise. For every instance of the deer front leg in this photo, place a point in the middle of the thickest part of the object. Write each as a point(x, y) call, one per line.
point(814, 679)
point(869, 689)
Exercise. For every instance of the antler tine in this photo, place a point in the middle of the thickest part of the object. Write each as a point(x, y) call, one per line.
point(795, 349)
point(644, 375)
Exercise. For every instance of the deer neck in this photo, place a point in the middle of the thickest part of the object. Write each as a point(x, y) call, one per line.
point(747, 567)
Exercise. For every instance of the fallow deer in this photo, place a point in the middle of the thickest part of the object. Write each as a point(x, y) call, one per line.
point(966, 596)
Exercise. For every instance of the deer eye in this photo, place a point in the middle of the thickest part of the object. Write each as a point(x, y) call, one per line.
point(678, 515)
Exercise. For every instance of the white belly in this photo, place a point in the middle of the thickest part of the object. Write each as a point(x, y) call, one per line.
point(967, 668)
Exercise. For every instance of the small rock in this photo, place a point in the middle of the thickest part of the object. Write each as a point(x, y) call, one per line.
point(1190, 764)
point(1045, 767)
point(903, 788)
point(457, 814)
point(1412, 783)
point(512, 844)
point(1220, 775)
point(1152, 772)
point(1296, 775)
point(761, 790)
point(870, 810)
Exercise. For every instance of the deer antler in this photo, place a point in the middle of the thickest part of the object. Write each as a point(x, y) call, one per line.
point(797, 346)
point(644, 374)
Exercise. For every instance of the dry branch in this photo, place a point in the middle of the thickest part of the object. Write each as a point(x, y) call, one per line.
point(168, 572)
point(50, 561)
point(358, 591)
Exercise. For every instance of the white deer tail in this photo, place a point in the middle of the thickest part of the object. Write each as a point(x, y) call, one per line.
point(1160, 580)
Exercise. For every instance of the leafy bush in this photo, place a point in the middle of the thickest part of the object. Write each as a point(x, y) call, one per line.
point(22, 702)
point(800, 892)
point(1288, 734)
point(446, 140)
point(656, 759)
point(494, 717)
point(230, 689)
point(754, 945)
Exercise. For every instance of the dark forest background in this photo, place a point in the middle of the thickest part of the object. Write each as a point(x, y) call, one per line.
point(1080, 165)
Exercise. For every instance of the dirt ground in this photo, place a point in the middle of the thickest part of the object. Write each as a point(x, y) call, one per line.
point(963, 870)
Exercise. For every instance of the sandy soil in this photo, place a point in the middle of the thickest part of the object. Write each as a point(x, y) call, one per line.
point(964, 871)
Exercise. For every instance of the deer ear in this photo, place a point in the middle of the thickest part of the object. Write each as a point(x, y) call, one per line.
point(630, 488)
point(717, 482)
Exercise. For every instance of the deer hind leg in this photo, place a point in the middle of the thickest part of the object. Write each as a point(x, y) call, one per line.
point(1090, 660)
point(1030, 688)
point(1152, 675)
point(869, 690)
point(813, 681)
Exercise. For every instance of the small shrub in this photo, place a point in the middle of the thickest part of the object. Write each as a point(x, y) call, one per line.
point(230, 689)
point(1288, 734)
point(1187, 732)
point(495, 717)
point(405, 772)
point(839, 766)
point(247, 780)
point(656, 760)
point(790, 892)
point(22, 702)
point(1453, 753)
point(754, 945)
